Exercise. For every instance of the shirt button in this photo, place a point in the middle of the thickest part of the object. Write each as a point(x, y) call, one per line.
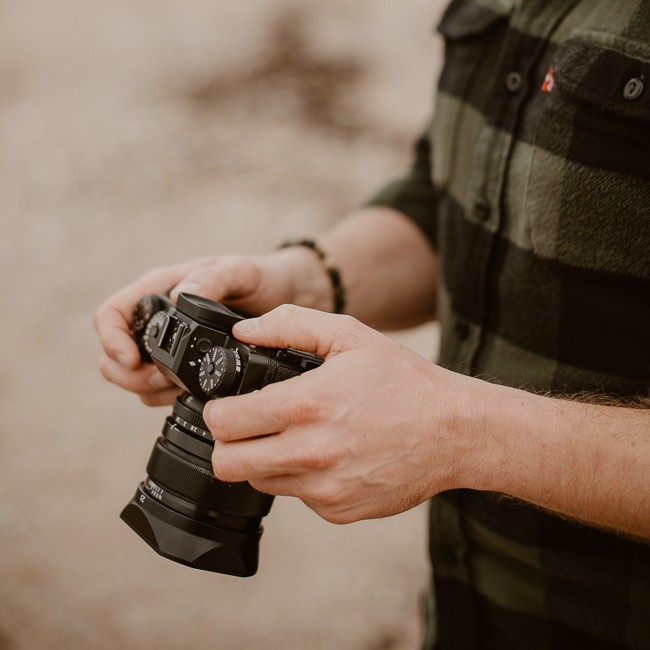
point(461, 330)
point(633, 89)
point(513, 81)
point(482, 210)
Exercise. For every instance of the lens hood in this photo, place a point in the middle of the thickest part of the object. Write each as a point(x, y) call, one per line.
point(191, 542)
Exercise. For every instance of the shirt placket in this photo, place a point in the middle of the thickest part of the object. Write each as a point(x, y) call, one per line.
point(457, 613)
point(532, 23)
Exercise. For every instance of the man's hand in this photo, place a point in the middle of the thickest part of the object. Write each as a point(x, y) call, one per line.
point(250, 284)
point(374, 431)
point(377, 429)
point(389, 272)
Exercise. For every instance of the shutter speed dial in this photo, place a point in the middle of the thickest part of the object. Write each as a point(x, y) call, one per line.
point(218, 371)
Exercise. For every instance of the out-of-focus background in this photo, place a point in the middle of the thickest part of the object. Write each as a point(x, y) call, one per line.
point(138, 133)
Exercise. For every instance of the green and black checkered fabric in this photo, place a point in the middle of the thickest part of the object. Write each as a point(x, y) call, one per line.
point(538, 203)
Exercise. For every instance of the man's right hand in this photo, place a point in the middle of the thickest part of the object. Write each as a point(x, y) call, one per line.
point(252, 285)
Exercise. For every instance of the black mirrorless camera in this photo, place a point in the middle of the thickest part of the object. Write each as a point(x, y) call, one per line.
point(182, 510)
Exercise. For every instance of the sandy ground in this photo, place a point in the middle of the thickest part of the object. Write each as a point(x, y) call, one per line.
point(139, 133)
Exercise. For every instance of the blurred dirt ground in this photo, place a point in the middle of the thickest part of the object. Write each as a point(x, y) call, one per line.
point(139, 133)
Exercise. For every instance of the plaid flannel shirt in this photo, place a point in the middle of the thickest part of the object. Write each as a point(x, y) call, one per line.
point(533, 185)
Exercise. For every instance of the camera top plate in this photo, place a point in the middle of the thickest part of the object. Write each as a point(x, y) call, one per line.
point(207, 312)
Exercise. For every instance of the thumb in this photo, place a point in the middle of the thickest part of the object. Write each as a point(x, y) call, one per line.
point(227, 277)
point(299, 328)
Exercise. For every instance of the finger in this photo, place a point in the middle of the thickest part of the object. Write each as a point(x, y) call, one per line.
point(162, 397)
point(227, 278)
point(113, 317)
point(270, 410)
point(115, 337)
point(294, 451)
point(310, 330)
point(324, 496)
point(146, 379)
point(246, 460)
point(315, 491)
point(283, 485)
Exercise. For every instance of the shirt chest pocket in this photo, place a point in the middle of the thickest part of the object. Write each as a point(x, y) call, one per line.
point(588, 186)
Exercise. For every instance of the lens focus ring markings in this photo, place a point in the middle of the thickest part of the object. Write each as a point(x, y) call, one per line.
point(183, 477)
point(188, 418)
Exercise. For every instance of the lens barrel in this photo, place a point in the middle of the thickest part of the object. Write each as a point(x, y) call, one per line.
point(188, 515)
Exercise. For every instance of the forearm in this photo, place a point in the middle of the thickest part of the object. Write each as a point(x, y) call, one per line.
point(583, 461)
point(388, 269)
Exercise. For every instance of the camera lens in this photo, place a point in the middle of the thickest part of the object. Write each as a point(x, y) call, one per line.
point(188, 515)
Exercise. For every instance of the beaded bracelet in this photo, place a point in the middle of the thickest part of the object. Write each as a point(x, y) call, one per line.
point(330, 267)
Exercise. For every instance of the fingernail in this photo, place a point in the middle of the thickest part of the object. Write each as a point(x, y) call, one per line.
point(159, 381)
point(189, 287)
point(122, 359)
point(247, 326)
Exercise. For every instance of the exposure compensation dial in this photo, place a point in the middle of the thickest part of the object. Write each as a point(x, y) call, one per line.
point(218, 371)
point(152, 331)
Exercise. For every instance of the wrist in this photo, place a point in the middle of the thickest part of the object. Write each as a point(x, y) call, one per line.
point(457, 416)
point(329, 266)
point(512, 451)
point(308, 281)
point(487, 424)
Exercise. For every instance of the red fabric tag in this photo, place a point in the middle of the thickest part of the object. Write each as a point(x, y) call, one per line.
point(549, 82)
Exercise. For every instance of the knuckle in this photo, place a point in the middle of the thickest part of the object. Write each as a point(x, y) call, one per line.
point(154, 272)
point(237, 269)
point(328, 494)
point(240, 264)
point(306, 408)
point(285, 314)
point(97, 316)
point(350, 328)
point(348, 322)
point(233, 262)
point(337, 517)
point(149, 400)
point(134, 383)
point(104, 367)
point(209, 270)
point(318, 457)
point(266, 485)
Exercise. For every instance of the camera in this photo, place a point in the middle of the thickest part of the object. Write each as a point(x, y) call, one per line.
point(181, 509)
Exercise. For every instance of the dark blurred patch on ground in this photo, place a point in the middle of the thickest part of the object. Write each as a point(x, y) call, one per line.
point(288, 72)
point(5, 643)
point(387, 642)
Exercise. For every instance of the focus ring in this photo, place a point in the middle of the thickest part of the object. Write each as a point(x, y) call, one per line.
point(200, 485)
point(190, 415)
point(183, 478)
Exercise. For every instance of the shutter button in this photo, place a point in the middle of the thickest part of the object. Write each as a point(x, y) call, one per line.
point(633, 89)
point(482, 210)
point(513, 81)
point(204, 345)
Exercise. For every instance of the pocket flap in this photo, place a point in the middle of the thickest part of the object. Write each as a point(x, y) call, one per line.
point(463, 19)
point(599, 76)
